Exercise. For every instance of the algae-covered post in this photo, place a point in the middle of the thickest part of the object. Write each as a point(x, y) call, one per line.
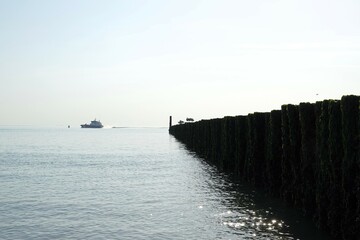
point(307, 163)
point(286, 176)
point(227, 143)
point(351, 164)
point(248, 164)
point(335, 156)
point(240, 139)
point(258, 156)
point(322, 164)
point(295, 148)
point(273, 153)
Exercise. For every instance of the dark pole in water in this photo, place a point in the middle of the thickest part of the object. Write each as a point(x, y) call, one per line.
point(170, 122)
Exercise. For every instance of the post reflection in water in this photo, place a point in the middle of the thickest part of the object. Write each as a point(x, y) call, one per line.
point(248, 213)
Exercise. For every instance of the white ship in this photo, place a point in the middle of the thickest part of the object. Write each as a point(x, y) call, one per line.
point(93, 124)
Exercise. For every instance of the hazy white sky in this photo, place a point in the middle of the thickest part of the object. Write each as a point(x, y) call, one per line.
point(134, 63)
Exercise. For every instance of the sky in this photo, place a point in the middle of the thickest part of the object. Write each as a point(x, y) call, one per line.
point(135, 63)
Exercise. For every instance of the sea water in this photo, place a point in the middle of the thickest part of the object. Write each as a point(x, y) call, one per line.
point(127, 183)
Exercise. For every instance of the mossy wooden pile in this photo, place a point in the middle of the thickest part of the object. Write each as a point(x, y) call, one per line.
point(307, 154)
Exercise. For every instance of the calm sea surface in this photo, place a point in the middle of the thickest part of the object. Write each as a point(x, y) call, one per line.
point(127, 183)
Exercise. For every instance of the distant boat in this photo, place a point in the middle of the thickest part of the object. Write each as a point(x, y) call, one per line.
point(93, 124)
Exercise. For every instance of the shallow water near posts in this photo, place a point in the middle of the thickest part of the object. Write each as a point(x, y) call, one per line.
point(128, 183)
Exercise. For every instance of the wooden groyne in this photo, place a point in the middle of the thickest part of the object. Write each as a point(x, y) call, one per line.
point(306, 154)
